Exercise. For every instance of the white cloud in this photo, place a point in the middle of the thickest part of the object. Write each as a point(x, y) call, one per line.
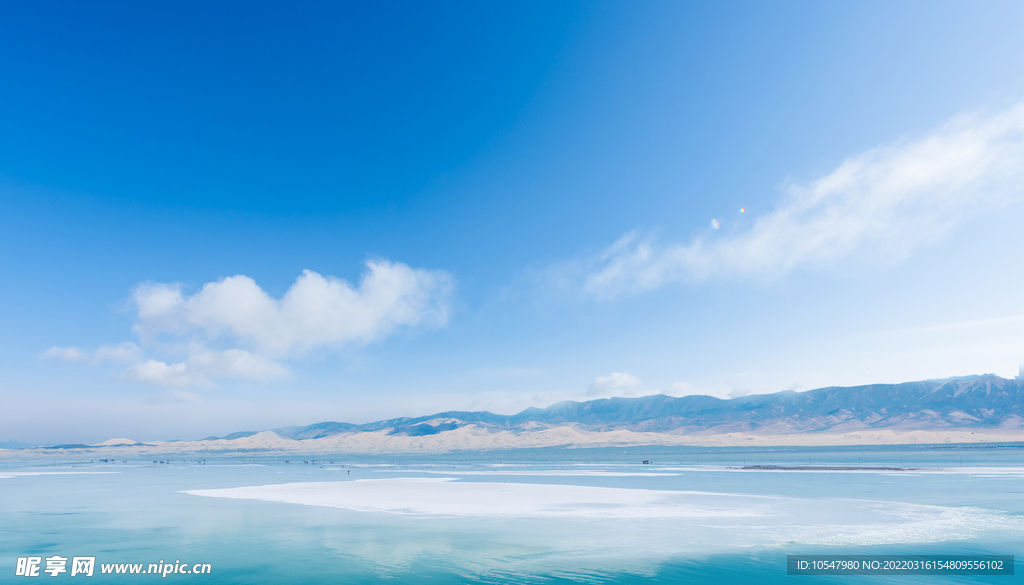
point(880, 206)
point(201, 368)
point(66, 354)
point(616, 383)
point(160, 373)
point(122, 352)
point(739, 392)
point(315, 311)
point(682, 389)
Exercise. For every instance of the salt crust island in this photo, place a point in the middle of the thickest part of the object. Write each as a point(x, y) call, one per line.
point(957, 410)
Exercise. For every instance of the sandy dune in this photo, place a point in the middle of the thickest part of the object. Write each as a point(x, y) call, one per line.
point(473, 438)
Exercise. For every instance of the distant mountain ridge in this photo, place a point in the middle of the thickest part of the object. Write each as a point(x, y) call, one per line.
point(985, 402)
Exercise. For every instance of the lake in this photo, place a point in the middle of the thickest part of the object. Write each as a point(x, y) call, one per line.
point(525, 516)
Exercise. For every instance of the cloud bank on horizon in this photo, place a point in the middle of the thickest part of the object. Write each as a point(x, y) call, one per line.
point(880, 205)
point(316, 312)
point(614, 384)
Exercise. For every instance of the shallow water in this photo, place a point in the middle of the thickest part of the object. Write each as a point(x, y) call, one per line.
point(548, 515)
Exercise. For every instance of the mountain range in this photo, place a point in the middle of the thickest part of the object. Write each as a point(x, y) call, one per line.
point(986, 402)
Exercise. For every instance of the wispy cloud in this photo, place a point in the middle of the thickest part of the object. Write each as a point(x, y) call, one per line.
point(66, 354)
point(880, 205)
point(122, 352)
point(202, 368)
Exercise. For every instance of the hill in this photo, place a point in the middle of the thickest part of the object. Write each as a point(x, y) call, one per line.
point(978, 402)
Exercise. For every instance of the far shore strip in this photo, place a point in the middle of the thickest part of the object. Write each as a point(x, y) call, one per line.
point(473, 438)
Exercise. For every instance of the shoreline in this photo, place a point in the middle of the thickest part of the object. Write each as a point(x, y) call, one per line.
point(471, 438)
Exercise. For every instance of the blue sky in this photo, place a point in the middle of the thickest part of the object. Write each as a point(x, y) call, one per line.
point(264, 214)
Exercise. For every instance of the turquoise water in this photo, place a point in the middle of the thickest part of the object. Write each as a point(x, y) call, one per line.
point(137, 512)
